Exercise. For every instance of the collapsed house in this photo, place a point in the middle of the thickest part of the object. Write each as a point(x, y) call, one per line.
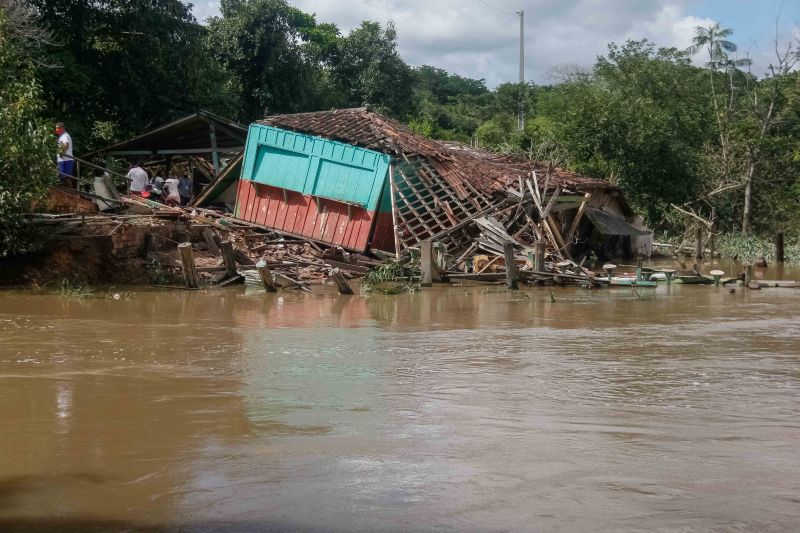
point(363, 181)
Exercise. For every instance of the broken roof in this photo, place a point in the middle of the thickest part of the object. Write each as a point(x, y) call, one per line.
point(187, 135)
point(457, 163)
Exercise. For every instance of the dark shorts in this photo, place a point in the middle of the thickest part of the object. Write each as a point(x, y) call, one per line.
point(65, 171)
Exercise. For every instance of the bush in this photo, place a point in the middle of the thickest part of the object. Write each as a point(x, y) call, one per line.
point(28, 147)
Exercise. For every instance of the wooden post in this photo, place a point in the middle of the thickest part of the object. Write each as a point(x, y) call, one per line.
point(511, 266)
point(208, 235)
point(538, 265)
point(426, 262)
point(779, 255)
point(576, 220)
point(748, 274)
point(266, 276)
point(187, 258)
point(698, 243)
point(228, 258)
point(395, 220)
point(438, 255)
point(212, 135)
point(341, 282)
point(711, 239)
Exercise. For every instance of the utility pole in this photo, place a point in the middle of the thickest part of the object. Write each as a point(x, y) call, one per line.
point(521, 121)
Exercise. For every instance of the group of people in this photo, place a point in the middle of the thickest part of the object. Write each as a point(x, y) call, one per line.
point(172, 191)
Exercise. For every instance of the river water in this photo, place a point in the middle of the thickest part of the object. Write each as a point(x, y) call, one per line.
point(460, 409)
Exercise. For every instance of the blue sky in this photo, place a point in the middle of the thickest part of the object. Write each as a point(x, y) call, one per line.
point(753, 23)
point(479, 38)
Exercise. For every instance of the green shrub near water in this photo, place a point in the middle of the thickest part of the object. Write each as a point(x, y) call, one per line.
point(750, 248)
point(71, 289)
point(391, 278)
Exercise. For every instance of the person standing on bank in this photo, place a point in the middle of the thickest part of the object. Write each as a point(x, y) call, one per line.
point(172, 191)
point(64, 160)
point(185, 188)
point(137, 179)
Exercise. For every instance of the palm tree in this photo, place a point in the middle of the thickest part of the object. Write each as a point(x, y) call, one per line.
point(713, 39)
point(732, 67)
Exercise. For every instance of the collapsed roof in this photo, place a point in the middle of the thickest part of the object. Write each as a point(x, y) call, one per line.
point(460, 164)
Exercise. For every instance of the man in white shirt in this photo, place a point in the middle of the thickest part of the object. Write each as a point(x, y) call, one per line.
point(172, 190)
point(138, 179)
point(64, 160)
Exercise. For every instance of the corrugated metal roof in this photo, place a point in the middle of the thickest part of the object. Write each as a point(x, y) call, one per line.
point(611, 224)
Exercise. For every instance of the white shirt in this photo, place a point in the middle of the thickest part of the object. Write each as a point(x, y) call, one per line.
point(139, 179)
point(65, 144)
point(171, 186)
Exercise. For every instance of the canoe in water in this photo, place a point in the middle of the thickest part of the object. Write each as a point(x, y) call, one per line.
point(693, 279)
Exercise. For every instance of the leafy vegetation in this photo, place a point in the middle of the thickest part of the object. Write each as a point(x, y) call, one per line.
point(71, 289)
point(392, 277)
point(28, 145)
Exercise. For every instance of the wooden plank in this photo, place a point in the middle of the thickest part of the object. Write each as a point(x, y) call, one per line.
point(228, 258)
point(347, 266)
point(208, 235)
point(511, 267)
point(577, 219)
point(341, 283)
point(429, 272)
point(187, 260)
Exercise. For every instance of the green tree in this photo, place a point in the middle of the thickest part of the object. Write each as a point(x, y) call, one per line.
point(369, 71)
point(26, 155)
point(260, 43)
point(641, 119)
point(126, 66)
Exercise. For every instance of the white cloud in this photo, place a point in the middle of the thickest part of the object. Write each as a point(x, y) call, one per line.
point(203, 9)
point(468, 38)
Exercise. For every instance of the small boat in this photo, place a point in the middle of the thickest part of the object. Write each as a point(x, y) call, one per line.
point(627, 281)
point(694, 279)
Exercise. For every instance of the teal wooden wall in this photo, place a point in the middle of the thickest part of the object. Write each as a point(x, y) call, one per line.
point(314, 166)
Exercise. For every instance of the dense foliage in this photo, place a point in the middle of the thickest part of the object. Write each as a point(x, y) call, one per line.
point(28, 144)
point(710, 139)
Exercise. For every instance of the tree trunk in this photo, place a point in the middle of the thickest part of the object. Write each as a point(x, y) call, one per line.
point(748, 198)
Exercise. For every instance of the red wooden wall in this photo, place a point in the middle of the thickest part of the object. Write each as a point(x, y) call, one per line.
point(300, 215)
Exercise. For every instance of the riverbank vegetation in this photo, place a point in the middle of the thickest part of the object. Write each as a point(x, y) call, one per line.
point(715, 140)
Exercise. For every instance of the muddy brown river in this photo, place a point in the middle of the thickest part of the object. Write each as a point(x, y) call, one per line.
point(451, 409)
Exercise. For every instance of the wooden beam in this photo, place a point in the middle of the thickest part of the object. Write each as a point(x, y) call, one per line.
point(187, 260)
point(212, 134)
point(209, 236)
point(395, 225)
point(341, 283)
point(228, 258)
point(266, 276)
point(577, 218)
point(550, 204)
point(512, 276)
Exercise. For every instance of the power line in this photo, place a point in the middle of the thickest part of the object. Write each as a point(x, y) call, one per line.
point(472, 42)
point(490, 6)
